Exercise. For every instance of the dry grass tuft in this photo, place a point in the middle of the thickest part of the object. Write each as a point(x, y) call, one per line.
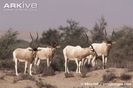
point(23, 77)
point(48, 71)
point(68, 75)
point(2, 77)
point(40, 84)
point(28, 87)
point(125, 77)
point(109, 76)
point(44, 70)
point(84, 71)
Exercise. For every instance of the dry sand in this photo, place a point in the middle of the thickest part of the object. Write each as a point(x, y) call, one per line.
point(7, 80)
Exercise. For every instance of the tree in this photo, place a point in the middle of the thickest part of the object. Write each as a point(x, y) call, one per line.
point(52, 35)
point(6, 43)
point(72, 33)
point(99, 31)
point(122, 51)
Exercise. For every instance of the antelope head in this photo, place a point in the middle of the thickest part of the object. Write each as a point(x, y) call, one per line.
point(108, 41)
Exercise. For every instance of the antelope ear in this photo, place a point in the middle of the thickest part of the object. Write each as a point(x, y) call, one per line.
point(92, 49)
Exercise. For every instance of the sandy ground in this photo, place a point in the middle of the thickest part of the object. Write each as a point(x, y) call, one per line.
point(93, 79)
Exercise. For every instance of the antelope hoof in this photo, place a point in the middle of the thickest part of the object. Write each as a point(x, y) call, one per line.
point(30, 74)
point(79, 72)
point(17, 74)
point(67, 72)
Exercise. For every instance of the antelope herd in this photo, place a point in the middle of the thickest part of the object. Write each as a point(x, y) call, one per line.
point(34, 54)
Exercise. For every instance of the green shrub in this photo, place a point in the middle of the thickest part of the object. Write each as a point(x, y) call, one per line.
point(8, 64)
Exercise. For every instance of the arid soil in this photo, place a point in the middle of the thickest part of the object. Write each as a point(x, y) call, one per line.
point(93, 79)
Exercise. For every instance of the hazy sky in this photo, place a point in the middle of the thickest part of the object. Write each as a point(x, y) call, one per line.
point(53, 13)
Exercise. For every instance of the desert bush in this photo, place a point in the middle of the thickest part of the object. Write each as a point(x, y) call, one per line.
point(23, 77)
point(84, 71)
point(98, 33)
point(48, 71)
point(121, 52)
point(8, 64)
point(7, 42)
point(2, 77)
point(72, 66)
point(21, 43)
point(40, 84)
point(43, 69)
point(109, 76)
point(39, 69)
point(125, 77)
point(28, 87)
point(58, 63)
point(68, 75)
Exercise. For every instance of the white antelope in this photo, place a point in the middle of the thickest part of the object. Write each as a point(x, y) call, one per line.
point(101, 49)
point(26, 55)
point(76, 53)
point(46, 54)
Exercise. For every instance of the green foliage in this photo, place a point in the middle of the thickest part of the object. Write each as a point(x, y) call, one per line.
point(58, 63)
point(21, 44)
point(52, 35)
point(122, 51)
point(7, 42)
point(72, 34)
point(8, 64)
point(99, 31)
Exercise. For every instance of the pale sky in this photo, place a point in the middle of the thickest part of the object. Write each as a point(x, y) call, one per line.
point(53, 13)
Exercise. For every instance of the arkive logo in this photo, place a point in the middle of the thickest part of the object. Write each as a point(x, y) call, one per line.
point(21, 5)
